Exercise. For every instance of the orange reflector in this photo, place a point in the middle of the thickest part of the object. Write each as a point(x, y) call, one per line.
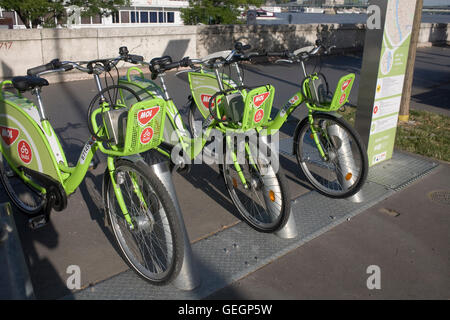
point(234, 182)
point(272, 196)
point(311, 136)
point(348, 176)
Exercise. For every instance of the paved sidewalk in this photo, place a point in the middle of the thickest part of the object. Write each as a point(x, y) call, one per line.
point(406, 236)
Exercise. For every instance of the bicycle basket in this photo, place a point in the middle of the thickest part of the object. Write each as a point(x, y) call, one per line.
point(258, 106)
point(134, 130)
point(316, 92)
point(203, 87)
point(143, 87)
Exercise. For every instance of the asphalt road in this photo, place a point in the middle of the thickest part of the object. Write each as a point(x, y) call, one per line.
point(78, 235)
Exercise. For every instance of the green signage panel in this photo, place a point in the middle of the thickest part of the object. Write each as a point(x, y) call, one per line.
point(389, 54)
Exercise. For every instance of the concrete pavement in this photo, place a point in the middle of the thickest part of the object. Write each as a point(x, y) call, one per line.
point(406, 236)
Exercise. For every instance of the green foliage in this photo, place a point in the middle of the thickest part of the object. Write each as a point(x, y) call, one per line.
point(44, 12)
point(216, 11)
point(98, 7)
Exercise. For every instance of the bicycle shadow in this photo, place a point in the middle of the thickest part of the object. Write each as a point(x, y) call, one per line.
point(47, 282)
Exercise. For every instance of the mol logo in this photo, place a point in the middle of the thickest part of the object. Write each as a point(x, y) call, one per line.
point(9, 135)
point(345, 85)
point(260, 99)
point(145, 116)
point(205, 98)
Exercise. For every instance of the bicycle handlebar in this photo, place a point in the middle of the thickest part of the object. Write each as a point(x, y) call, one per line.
point(94, 66)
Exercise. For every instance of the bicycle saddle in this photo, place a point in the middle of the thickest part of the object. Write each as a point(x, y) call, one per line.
point(28, 83)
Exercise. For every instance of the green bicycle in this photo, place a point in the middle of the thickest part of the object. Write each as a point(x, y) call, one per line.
point(36, 176)
point(328, 150)
point(257, 189)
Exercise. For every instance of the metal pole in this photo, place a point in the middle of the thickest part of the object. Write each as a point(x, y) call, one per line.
point(346, 162)
point(188, 278)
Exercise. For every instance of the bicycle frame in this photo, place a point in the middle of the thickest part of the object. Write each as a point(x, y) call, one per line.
point(341, 97)
point(28, 140)
point(175, 130)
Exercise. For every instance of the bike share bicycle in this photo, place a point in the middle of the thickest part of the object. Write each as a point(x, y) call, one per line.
point(38, 179)
point(328, 150)
point(257, 189)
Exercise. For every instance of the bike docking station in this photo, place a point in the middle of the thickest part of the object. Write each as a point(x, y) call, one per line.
point(188, 277)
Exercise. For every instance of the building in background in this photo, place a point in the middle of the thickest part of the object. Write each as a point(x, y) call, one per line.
point(140, 13)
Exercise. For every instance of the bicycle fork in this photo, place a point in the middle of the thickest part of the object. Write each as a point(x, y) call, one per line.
point(315, 137)
point(117, 181)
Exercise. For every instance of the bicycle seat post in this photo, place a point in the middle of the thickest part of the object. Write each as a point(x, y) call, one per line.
point(218, 77)
point(238, 71)
point(304, 68)
point(98, 83)
point(163, 84)
point(37, 92)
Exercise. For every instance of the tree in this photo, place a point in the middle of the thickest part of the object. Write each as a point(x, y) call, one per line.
point(216, 11)
point(46, 12)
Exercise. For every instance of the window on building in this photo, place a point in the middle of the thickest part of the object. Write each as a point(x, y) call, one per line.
point(85, 20)
point(161, 17)
point(144, 17)
point(153, 17)
point(125, 16)
point(116, 17)
point(171, 17)
point(133, 17)
point(96, 19)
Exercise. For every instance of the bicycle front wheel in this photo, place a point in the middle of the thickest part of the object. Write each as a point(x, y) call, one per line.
point(342, 169)
point(263, 201)
point(152, 244)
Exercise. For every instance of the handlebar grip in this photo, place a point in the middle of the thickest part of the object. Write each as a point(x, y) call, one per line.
point(172, 65)
point(133, 58)
point(45, 67)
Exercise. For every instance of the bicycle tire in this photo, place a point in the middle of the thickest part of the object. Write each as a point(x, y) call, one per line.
point(195, 118)
point(343, 179)
point(18, 191)
point(157, 260)
point(275, 193)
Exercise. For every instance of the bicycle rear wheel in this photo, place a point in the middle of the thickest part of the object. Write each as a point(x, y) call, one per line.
point(344, 169)
point(264, 201)
point(153, 248)
point(24, 197)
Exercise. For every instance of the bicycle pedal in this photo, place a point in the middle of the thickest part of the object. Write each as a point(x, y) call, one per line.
point(38, 221)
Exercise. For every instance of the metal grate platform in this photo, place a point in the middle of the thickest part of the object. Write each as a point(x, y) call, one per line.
point(232, 254)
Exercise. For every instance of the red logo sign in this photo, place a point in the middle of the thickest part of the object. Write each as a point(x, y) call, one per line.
point(343, 97)
point(205, 100)
point(146, 135)
point(375, 110)
point(144, 116)
point(259, 115)
point(260, 98)
point(9, 135)
point(346, 84)
point(24, 150)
